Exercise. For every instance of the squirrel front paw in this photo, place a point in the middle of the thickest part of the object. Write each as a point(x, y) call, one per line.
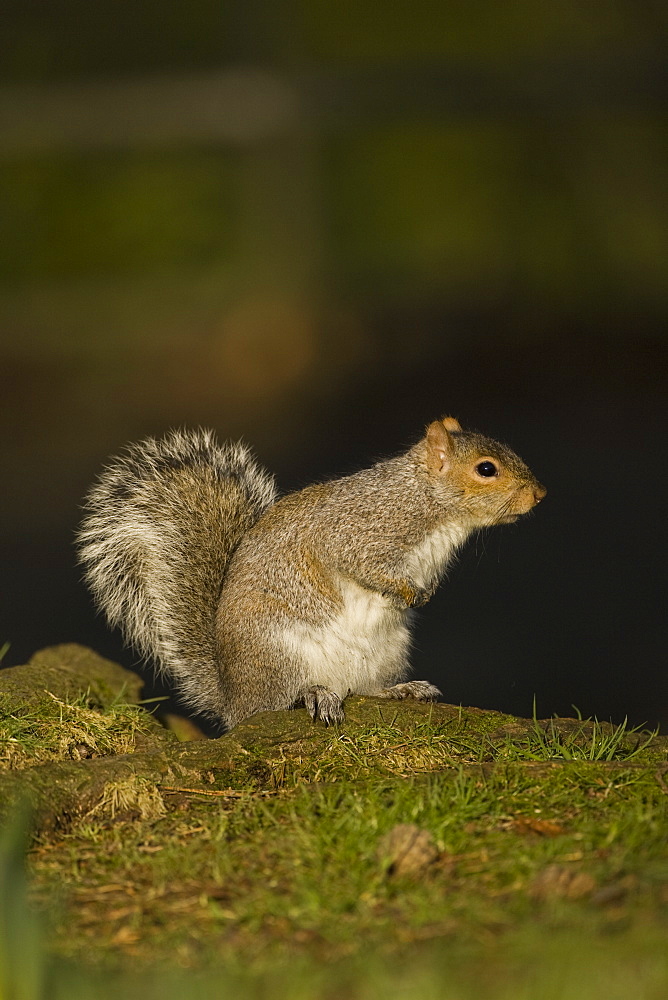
point(321, 703)
point(420, 597)
point(420, 690)
point(406, 595)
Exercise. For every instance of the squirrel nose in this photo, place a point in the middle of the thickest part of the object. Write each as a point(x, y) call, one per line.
point(539, 492)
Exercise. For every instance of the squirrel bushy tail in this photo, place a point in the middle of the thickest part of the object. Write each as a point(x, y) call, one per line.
point(159, 529)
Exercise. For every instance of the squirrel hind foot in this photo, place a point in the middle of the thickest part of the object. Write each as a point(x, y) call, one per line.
point(321, 703)
point(420, 690)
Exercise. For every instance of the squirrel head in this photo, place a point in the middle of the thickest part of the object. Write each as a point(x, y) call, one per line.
point(486, 479)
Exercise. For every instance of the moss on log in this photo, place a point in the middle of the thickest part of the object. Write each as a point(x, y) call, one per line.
point(68, 671)
point(377, 739)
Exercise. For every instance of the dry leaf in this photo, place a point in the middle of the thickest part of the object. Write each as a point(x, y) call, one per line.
point(531, 824)
point(408, 849)
point(126, 935)
point(184, 729)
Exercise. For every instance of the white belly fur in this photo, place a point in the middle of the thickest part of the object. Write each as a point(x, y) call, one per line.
point(365, 646)
point(361, 650)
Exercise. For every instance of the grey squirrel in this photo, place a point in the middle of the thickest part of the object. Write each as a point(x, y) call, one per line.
point(252, 603)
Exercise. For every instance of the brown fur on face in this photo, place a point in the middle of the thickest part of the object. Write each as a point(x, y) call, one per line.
point(453, 456)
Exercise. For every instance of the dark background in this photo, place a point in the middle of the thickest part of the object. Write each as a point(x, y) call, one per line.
point(319, 226)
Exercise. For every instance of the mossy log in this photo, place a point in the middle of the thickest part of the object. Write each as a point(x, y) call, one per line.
point(68, 671)
point(257, 754)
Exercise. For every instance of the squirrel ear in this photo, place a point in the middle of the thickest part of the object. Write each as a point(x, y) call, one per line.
point(451, 424)
point(439, 443)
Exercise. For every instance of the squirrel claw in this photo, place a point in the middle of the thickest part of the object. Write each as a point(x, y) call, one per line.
point(321, 703)
point(420, 690)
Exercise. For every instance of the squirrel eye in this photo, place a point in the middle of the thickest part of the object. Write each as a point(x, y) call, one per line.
point(486, 469)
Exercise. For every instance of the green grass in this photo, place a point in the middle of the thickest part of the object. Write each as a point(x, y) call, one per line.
point(598, 744)
point(261, 873)
point(422, 745)
point(590, 740)
point(22, 956)
point(550, 880)
point(56, 729)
